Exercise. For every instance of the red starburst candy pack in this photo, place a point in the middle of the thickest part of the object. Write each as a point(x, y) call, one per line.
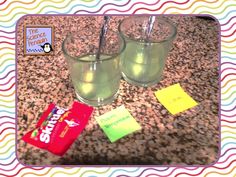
point(58, 128)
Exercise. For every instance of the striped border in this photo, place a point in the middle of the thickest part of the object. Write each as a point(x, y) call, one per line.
point(12, 10)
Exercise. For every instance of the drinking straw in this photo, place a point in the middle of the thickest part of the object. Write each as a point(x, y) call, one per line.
point(102, 35)
point(148, 31)
point(151, 21)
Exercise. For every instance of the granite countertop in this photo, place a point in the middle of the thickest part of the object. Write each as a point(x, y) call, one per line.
point(190, 137)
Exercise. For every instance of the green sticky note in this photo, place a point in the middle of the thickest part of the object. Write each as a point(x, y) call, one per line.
point(118, 123)
point(175, 99)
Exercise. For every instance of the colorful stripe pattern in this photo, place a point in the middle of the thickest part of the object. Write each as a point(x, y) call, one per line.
point(12, 10)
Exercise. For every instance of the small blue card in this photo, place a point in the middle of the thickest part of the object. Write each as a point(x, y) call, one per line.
point(38, 40)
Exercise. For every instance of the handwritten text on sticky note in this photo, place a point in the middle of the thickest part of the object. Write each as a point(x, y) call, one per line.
point(175, 99)
point(118, 123)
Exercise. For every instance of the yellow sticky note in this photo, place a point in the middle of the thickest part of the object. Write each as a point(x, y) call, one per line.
point(175, 99)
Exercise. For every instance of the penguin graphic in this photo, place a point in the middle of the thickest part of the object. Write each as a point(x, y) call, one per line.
point(46, 47)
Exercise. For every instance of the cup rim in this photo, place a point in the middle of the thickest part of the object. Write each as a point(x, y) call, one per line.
point(171, 36)
point(89, 53)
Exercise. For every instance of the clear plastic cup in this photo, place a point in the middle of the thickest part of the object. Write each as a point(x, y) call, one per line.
point(143, 61)
point(96, 81)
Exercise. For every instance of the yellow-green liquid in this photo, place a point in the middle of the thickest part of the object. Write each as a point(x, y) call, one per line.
point(142, 65)
point(96, 83)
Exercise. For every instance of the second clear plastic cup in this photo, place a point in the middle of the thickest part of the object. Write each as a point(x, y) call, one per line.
point(96, 81)
point(143, 61)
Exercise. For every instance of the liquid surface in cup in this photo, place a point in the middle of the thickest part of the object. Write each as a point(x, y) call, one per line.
point(95, 81)
point(142, 63)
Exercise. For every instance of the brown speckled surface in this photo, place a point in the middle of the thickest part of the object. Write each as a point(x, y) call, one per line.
point(190, 137)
